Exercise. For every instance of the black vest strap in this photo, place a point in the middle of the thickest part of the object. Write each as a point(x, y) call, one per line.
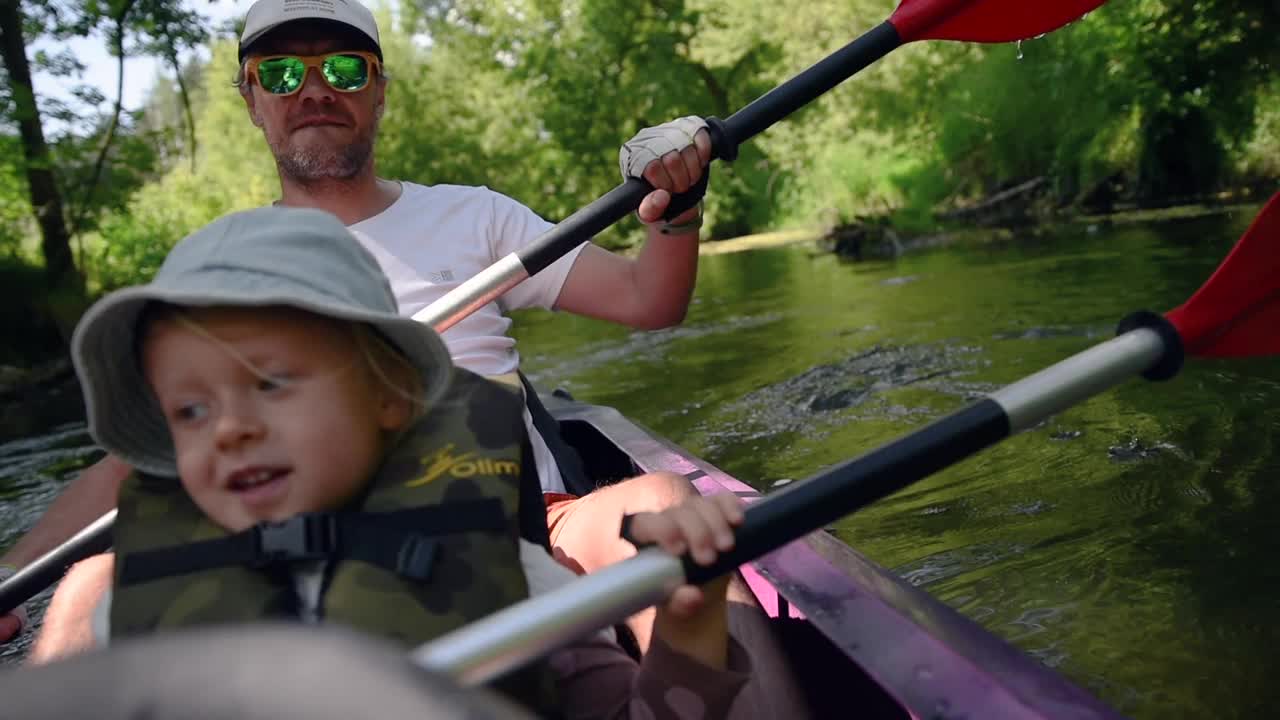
point(570, 463)
point(533, 510)
point(399, 541)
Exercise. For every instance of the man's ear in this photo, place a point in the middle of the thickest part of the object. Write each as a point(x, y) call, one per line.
point(250, 104)
point(380, 97)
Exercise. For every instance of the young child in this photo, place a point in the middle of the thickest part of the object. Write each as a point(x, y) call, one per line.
point(303, 451)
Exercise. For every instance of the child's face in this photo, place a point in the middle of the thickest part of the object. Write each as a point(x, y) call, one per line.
point(296, 423)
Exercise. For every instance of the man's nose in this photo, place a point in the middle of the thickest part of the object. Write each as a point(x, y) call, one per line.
point(315, 88)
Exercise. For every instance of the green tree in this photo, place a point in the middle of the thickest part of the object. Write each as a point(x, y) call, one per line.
point(1201, 63)
point(44, 194)
point(233, 170)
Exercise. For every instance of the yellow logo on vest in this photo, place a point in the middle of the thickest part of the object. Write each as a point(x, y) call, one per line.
point(445, 462)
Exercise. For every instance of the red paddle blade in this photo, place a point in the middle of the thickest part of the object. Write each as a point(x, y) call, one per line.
point(1237, 312)
point(984, 20)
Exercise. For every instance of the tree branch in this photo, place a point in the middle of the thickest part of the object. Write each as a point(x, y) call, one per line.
point(186, 103)
point(117, 40)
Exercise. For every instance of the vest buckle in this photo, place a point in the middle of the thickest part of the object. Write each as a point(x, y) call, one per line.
point(309, 536)
point(416, 557)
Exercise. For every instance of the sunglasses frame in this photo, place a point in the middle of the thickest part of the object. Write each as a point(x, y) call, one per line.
point(317, 62)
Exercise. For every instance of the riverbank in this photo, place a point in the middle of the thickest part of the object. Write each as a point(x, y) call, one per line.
point(914, 242)
point(33, 399)
point(41, 366)
point(760, 240)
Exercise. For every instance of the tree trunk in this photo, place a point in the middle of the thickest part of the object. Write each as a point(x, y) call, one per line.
point(46, 201)
point(1181, 157)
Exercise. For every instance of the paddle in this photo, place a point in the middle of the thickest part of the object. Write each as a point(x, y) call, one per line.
point(1236, 313)
point(94, 538)
point(968, 20)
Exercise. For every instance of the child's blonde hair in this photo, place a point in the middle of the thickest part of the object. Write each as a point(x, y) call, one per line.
point(384, 361)
point(389, 366)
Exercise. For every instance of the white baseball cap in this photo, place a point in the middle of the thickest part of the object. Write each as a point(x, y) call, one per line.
point(267, 15)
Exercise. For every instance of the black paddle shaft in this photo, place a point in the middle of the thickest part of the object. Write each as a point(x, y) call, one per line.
point(726, 136)
point(34, 578)
point(833, 493)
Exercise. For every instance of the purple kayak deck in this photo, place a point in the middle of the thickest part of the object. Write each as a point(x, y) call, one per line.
point(933, 661)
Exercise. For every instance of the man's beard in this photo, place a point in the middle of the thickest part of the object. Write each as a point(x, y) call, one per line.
point(317, 162)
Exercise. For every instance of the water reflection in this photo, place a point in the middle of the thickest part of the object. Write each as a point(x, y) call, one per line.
point(1129, 542)
point(32, 473)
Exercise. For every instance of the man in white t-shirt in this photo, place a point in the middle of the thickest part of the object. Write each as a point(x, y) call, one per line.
point(320, 127)
point(431, 239)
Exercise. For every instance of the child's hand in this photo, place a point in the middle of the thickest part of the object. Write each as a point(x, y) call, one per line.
point(702, 526)
point(563, 558)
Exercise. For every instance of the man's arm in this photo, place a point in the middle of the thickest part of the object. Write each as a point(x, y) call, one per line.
point(90, 495)
point(652, 290)
point(648, 292)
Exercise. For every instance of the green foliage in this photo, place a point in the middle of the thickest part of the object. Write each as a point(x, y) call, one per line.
point(16, 224)
point(233, 171)
point(1259, 155)
point(1156, 90)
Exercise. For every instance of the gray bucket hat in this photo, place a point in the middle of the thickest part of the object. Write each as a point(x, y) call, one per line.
point(270, 256)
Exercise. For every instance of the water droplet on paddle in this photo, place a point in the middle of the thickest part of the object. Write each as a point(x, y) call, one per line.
point(1019, 49)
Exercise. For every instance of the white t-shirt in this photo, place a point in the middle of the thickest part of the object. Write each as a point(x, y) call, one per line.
point(435, 237)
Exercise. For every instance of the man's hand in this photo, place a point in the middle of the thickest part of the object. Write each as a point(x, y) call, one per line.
point(672, 157)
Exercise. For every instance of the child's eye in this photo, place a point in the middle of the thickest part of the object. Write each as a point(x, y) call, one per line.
point(273, 382)
point(190, 412)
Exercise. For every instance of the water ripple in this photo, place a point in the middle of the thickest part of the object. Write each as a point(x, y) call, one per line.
point(831, 392)
point(1136, 450)
point(1049, 332)
point(31, 476)
point(77, 431)
point(638, 346)
point(950, 563)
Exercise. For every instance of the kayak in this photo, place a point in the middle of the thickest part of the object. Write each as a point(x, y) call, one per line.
point(858, 636)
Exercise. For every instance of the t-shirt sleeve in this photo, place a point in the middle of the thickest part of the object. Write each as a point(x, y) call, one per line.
point(514, 227)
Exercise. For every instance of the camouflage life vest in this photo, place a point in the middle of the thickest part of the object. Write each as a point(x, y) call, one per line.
point(431, 546)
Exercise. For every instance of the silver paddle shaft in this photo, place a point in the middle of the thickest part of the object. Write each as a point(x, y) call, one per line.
point(492, 647)
point(1079, 377)
point(476, 292)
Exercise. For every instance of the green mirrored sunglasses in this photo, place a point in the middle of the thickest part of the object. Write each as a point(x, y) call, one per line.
point(344, 72)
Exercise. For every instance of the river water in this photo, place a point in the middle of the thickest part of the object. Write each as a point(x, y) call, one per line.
point(1130, 542)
